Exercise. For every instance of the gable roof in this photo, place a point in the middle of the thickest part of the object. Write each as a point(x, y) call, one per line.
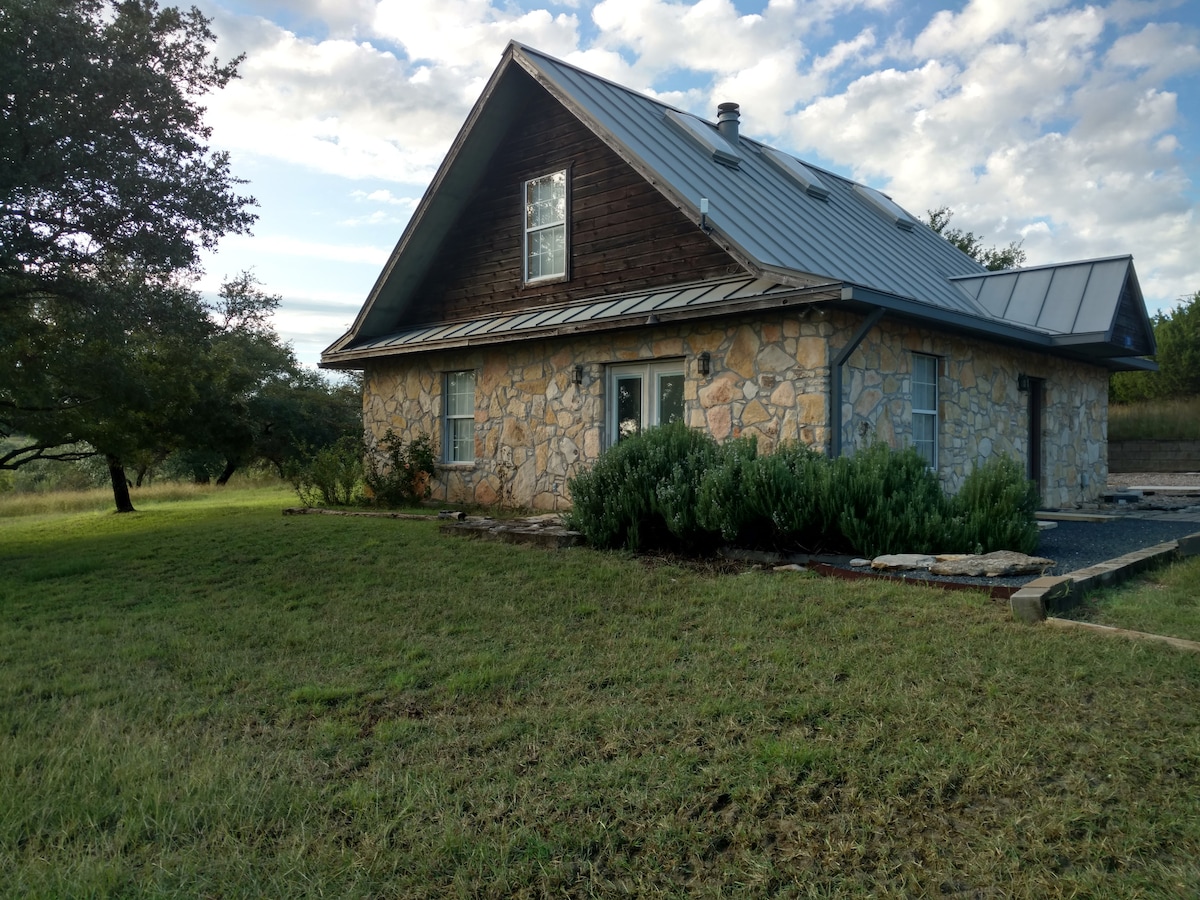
point(788, 223)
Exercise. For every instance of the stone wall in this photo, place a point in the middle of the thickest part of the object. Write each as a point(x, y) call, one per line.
point(981, 410)
point(1154, 456)
point(535, 429)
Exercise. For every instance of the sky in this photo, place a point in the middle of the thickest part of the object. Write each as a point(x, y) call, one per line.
point(1071, 127)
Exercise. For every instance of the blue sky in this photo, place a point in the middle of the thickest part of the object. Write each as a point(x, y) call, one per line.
point(1072, 127)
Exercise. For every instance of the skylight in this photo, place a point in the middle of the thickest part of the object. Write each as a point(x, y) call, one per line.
point(887, 207)
point(798, 172)
point(707, 137)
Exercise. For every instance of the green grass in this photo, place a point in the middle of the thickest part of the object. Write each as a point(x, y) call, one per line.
point(1155, 420)
point(1164, 601)
point(207, 698)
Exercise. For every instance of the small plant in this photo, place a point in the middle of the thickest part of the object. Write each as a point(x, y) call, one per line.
point(331, 476)
point(402, 476)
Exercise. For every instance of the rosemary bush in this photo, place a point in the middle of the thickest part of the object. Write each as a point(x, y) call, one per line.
point(994, 510)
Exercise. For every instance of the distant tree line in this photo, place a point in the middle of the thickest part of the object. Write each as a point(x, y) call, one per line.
point(1177, 334)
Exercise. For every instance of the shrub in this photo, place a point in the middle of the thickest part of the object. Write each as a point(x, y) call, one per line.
point(331, 476)
point(723, 501)
point(772, 500)
point(642, 493)
point(676, 488)
point(402, 477)
point(886, 501)
point(994, 510)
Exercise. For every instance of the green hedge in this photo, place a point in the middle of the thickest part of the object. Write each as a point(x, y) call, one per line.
point(675, 488)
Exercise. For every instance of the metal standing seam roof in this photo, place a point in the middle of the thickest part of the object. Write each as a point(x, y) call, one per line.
point(597, 312)
point(765, 215)
point(1067, 298)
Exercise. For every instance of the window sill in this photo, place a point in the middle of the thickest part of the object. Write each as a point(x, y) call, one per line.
point(454, 466)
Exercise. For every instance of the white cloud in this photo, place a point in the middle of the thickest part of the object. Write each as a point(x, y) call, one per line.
point(1053, 120)
point(470, 35)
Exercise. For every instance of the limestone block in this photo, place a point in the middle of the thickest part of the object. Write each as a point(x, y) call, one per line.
point(720, 422)
point(812, 409)
point(899, 562)
point(992, 565)
point(742, 351)
point(754, 413)
point(772, 359)
point(784, 396)
point(718, 392)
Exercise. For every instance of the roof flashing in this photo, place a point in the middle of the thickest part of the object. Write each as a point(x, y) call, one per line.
point(886, 207)
point(798, 172)
point(706, 137)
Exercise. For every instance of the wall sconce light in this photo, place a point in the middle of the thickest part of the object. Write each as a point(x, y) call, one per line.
point(1023, 384)
point(577, 375)
point(704, 361)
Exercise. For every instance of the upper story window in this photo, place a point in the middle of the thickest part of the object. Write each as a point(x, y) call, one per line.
point(546, 227)
point(925, 407)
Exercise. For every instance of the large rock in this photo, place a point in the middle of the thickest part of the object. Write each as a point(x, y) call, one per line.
point(992, 565)
point(899, 562)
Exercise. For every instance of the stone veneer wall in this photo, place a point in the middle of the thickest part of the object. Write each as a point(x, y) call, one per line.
point(981, 412)
point(535, 429)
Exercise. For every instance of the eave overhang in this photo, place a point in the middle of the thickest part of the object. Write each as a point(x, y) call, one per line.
point(680, 303)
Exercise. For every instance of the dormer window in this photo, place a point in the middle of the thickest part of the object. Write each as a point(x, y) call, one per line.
point(546, 228)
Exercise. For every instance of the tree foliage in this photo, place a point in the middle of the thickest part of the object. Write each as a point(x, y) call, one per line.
point(1177, 334)
point(103, 149)
point(108, 192)
point(992, 258)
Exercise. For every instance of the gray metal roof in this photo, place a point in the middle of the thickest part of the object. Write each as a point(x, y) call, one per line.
point(661, 305)
point(787, 225)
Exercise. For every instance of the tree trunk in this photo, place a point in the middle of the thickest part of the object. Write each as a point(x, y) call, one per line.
point(120, 485)
point(231, 466)
point(141, 474)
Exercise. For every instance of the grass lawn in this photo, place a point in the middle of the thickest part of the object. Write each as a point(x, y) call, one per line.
point(207, 698)
point(1164, 601)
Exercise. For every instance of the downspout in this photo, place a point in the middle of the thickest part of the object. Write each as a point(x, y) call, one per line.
point(835, 380)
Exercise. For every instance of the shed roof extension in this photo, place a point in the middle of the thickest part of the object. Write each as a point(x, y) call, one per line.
point(791, 225)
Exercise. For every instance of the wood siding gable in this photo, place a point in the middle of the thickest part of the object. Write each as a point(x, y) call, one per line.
point(623, 234)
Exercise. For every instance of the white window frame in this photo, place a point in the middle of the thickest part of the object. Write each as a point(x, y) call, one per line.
point(458, 448)
point(651, 374)
point(533, 229)
point(924, 413)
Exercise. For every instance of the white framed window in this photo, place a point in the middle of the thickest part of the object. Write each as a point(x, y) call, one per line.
point(459, 445)
point(643, 395)
point(546, 227)
point(925, 407)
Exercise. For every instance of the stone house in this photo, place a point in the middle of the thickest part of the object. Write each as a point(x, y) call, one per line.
point(588, 261)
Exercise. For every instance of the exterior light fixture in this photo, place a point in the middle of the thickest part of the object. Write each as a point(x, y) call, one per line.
point(577, 375)
point(1023, 384)
point(704, 361)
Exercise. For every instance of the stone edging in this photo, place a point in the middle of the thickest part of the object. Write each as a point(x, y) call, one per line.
point(1030, 603)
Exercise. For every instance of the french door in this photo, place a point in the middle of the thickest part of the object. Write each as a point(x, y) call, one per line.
point(643, 395)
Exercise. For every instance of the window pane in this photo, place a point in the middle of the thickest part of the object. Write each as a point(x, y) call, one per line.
point(546, 200)
point(460, 394)
point(547, 254)
point(629, 406)
point(462, 440)
point(670, 398)
point(925, 436)
point(924, 390)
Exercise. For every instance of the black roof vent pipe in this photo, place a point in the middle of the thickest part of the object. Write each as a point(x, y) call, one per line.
point(727, 122)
